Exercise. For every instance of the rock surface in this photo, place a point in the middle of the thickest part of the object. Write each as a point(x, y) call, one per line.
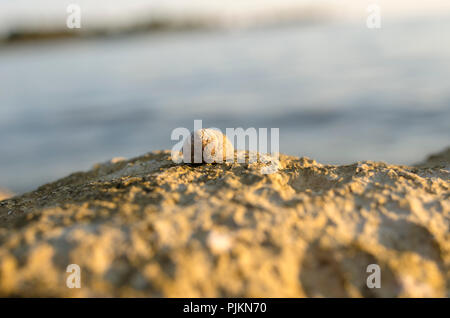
point(149, 227)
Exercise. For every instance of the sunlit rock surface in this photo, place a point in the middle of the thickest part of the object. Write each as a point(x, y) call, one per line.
point(150, 227)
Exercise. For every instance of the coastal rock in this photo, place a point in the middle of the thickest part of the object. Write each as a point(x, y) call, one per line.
point(150, 227)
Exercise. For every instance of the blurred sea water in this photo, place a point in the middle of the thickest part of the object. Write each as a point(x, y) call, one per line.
point(339, 93)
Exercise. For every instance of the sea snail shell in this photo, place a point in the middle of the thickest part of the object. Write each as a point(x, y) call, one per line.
point(207, 146)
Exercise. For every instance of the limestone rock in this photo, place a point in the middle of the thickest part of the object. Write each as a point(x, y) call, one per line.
point(150, 227)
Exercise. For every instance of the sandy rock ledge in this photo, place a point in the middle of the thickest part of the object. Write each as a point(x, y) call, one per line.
point(149, 227)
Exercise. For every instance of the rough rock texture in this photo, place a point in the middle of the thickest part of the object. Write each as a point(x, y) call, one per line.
point(149, 227)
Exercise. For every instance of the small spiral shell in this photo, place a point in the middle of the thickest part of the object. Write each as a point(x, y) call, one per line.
point(211, 147)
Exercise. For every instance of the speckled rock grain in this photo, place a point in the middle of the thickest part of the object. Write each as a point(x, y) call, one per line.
point(149, 227)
